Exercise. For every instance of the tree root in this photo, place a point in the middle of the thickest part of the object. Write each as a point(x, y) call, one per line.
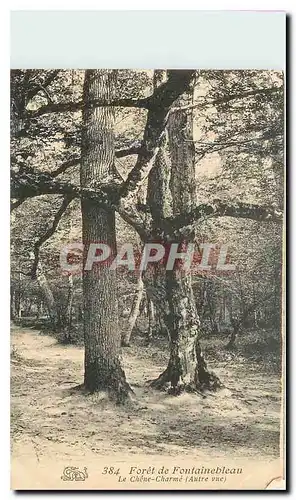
point(209, 382)
point(163, 380)
point(110, 379)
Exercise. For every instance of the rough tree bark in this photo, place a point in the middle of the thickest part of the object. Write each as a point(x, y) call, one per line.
point(174, 299)
point(103, 370)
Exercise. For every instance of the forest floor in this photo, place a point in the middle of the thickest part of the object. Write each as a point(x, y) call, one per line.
point(50, 418)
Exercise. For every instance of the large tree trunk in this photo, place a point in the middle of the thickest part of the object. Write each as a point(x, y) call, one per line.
point(103, 370)
point(172, 290)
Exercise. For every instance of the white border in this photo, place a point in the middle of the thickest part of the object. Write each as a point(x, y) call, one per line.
point(148, 39)
point(267, 5)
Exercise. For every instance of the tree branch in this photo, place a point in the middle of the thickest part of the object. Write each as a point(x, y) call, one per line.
point(248, 93)
point(63, 107)
point(226, 98)
point(22, 177)
point(27, 183)
point(133, 150)
point(50, 231)
point(159, 104)
point(184, 223)
point(73, 162)
point(64, 166)
point(23, 181)
point(34, 88)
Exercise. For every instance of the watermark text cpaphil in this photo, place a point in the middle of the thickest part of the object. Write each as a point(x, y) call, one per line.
point(76, 257)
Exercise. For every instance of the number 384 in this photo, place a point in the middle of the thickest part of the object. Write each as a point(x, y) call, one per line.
point(111, 470)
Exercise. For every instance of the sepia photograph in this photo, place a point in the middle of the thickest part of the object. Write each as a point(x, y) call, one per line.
point(147, 278)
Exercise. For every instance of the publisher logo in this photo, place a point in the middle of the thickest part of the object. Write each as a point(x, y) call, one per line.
point(74, 474)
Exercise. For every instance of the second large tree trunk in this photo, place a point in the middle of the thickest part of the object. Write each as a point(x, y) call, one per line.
point(172, 294)
point(187, 368)
point(103, 371)
point(171, 291)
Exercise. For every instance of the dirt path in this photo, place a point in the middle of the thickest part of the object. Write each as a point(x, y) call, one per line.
point(51, 419)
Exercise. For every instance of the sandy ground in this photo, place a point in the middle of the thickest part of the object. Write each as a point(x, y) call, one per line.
point(50, 418)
